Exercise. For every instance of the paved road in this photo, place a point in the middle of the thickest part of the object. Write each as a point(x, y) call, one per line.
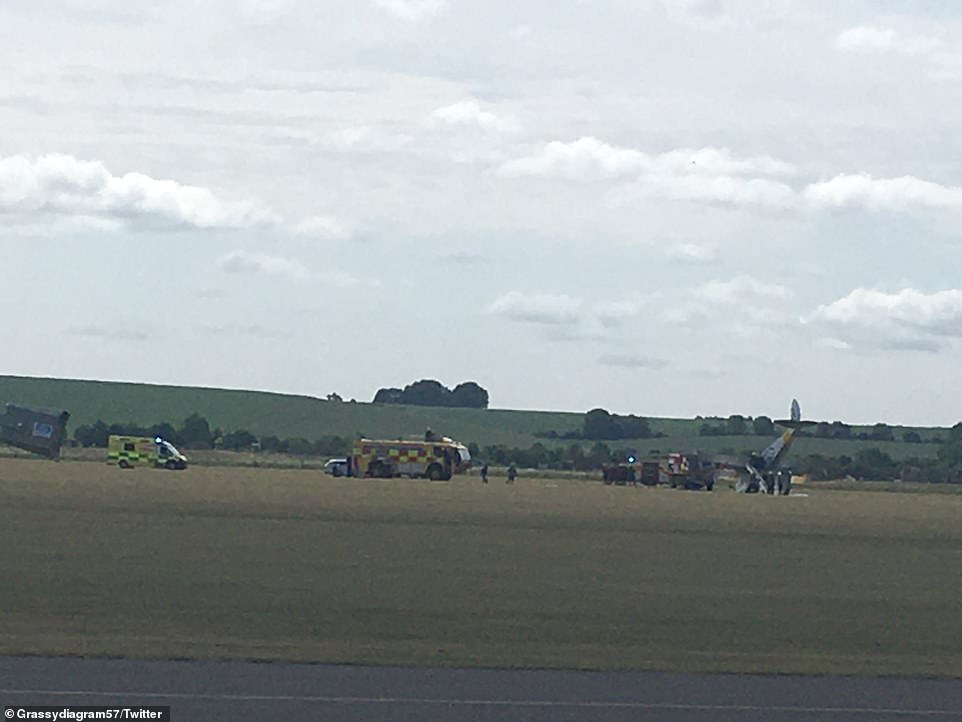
point(222, 691)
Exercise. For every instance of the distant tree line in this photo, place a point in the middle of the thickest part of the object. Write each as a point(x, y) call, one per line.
point(600, 425)
point(195, 433)
point(737, 425)
point(428, 392)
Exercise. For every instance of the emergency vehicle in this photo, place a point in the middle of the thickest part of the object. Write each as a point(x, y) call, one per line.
point(436, 460)
point(130, 451)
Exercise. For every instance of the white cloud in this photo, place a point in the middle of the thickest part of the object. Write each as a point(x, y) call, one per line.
point(895, 194)
point(361, 139)
point(326, 228)
point(537, 307)
point(469, 113)
point(725, 190)
point(585, 158)
point(590, 158)
point(693, 252)
point(567, 318)
point(63, 185)
point(741, 289)
point(412, 10)
point(238, 261)
point(718, 162)
point(611, 314)
point(123, 331)
point(742, 306)
point(264, 12)
point(871, 38)
point(712, 175)
point(938, 313)
point(633, 361)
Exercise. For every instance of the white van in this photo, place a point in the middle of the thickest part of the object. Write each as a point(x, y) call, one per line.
point(336, 467)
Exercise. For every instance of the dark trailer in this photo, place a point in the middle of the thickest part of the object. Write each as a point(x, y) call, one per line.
point(38, 430)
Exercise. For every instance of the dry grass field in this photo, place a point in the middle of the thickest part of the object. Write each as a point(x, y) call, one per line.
point(290, 564)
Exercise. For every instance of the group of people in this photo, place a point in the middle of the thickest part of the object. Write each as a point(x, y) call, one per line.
point(512, 474)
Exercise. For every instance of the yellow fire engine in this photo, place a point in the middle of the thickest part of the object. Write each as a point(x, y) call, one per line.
point(436, 460)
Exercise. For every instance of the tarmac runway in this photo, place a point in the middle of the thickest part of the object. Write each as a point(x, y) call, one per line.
point(232, 691)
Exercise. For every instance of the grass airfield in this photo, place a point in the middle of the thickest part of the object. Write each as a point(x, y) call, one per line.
point(229, 562)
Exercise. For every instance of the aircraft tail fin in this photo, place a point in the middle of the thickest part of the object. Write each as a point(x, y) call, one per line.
point(795, 418)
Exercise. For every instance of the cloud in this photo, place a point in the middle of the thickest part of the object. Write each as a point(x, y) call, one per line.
point(468, 113)
point(740, 289)
point(742, 306)
point(412, 10)
point(583, 159)
point(537, 308)
point(244, 262)
point(718, 162)
point(358, 139)
point(692, 252)
point(875, 39)
point(711, 175)
point(464, 258)
point(905, 320)
point(252, 330)
point(632, 361)
point(61, 185)
point(725, 190)
point(893, 194)
point(124, 331)
point(612, 314)
point(942, 58)
point(326, 228)
point(938, 313)
point(589, 159)
point(567, 318)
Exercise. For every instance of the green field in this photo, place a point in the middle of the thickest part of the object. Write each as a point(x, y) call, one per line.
point(290, 416)
point(287, 564)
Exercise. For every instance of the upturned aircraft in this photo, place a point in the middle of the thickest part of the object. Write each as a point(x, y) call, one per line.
point(763, 471)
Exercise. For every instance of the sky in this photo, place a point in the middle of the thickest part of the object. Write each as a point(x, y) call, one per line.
point(665, 208)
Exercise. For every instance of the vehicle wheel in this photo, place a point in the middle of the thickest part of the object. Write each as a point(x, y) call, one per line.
point(123, 464)
point(337, 471)
point(435, 473)
point(171, 464)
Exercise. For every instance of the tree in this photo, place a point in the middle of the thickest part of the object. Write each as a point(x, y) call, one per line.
point(736, 425)
point(426, 392)
point(334, 396)
point(469, 395)
point(841, 431)
point(633, 427)
point(912, 437)
point(299, 447)
point(599, 424)
point(881, 432)
point(388, 396)
point(240, 440)
point(196, 433)
point(95, 435)
point(950, 451)
point(874, 464)
point(763, 426)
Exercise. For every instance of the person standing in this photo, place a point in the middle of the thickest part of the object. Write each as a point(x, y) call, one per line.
point(512, 473)
point(484, 473)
